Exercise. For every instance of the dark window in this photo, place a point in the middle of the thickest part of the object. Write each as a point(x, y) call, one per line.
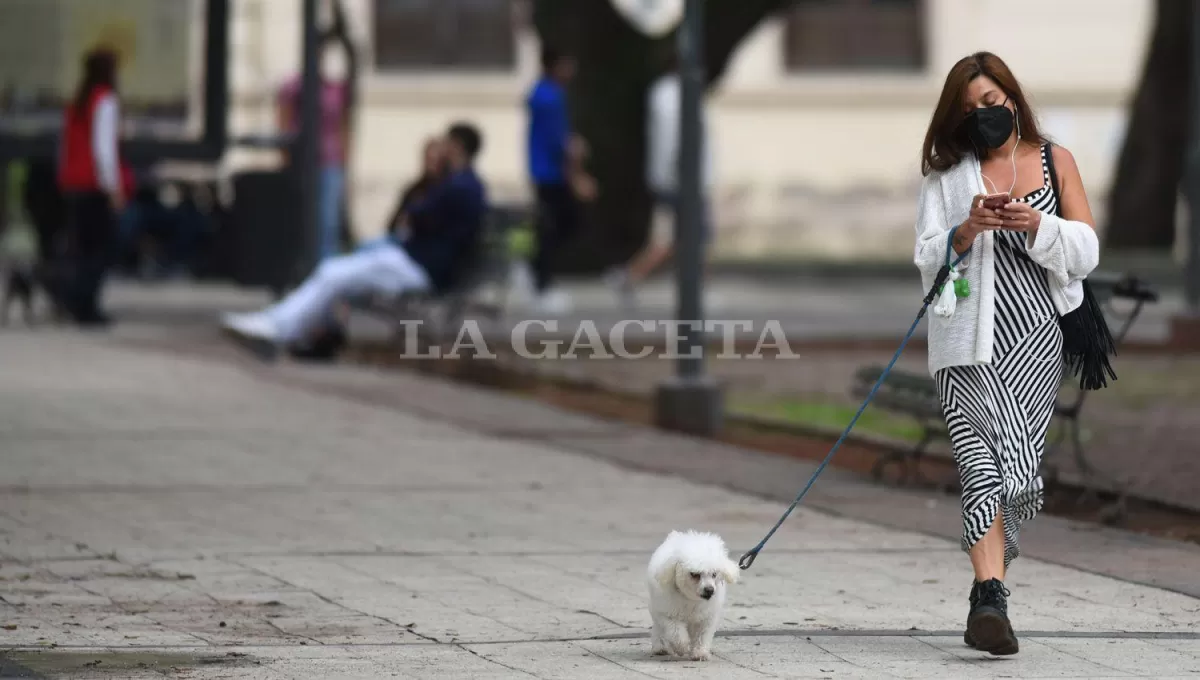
point(444, 34)
point(855, 35)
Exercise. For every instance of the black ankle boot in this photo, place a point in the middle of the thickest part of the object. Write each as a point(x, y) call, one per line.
point(987, 624)
point(973, 598)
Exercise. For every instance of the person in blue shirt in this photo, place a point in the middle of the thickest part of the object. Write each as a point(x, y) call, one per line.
point(553, 157)
point(437, 235)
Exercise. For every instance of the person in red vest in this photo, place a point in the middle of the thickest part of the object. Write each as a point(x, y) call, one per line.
point(95, 184)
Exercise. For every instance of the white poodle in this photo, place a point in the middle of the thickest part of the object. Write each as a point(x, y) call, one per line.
point(687, 578)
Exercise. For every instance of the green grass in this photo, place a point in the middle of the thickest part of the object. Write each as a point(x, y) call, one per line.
point(810, 412)
point(813, 413)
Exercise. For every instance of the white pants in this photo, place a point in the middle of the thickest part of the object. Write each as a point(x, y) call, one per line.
point(383, 269)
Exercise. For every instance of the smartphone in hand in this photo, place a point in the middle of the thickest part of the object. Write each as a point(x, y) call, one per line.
point(996, 201)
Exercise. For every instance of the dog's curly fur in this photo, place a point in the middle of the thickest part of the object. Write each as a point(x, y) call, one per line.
point(687, 578)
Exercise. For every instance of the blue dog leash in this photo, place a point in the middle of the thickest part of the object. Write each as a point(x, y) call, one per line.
point(939, 281)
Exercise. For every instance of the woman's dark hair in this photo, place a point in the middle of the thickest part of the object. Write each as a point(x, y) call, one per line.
point(945, 144)
point(99, 70)
point(440, 168)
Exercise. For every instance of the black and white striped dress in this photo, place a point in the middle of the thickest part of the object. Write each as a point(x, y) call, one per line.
point(998, 414)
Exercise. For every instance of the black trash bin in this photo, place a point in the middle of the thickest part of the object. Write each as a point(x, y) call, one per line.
point(265, 223)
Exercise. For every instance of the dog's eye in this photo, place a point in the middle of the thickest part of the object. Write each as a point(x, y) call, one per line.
point(696, 575)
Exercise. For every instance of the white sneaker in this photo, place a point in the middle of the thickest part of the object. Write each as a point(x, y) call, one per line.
point(622, 287)
point(520, 282)
point(554, 303)
point(256, 326)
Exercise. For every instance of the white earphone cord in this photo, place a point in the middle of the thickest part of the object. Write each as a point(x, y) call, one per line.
point(1012, 158)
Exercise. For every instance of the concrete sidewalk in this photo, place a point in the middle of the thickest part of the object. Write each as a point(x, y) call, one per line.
point(198, 515)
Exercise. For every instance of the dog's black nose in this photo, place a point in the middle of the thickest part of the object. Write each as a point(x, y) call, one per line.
point(706, 593)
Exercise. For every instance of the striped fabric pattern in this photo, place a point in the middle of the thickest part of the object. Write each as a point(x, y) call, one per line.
point(998, 414)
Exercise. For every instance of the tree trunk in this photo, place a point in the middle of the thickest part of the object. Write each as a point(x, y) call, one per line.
point(617, 65)
point(1142, 201)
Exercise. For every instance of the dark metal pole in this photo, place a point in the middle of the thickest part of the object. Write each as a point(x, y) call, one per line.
point(1192, 179)
point(690, 253)
point(690, 401)
point(307, 160)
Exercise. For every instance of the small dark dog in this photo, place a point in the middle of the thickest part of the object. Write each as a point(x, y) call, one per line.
point(18, 262)
point(19, 287)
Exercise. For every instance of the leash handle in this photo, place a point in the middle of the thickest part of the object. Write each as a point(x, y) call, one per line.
point(747, 559)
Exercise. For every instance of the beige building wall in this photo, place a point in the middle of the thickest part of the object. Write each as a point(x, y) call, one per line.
point(810, 165)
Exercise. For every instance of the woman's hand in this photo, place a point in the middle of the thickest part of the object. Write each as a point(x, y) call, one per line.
point(980, 220)
point(1018, 216)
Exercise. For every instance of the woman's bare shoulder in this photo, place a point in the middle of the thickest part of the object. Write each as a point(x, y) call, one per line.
point(1064, 160)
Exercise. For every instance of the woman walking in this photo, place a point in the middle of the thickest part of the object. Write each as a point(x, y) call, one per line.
point(94, 183)
point(998, 193)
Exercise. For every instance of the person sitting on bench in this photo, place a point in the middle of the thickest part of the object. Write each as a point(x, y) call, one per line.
point(329, 338)
point(441, 230)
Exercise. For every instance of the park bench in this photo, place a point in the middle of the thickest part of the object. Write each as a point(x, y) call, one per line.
point(915, 395)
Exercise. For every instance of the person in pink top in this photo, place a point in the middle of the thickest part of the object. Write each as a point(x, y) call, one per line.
point(334, 136)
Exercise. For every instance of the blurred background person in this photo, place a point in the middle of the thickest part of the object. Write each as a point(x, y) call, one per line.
point(328, 339)
point(159, 233)
point(555, 157)
point(438, 234)
point(663, 108)
point(334, 132)
point(434, 170)
point(95, 184)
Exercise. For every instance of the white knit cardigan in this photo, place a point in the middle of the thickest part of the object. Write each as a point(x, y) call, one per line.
point(1068, 251)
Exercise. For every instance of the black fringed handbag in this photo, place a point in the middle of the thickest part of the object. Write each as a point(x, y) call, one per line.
point(1087, 341)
